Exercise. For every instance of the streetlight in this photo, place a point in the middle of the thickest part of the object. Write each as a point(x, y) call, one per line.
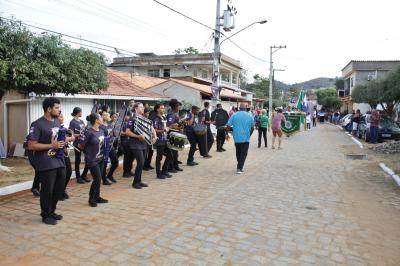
point(216, 83)
point(248, 26)
point(271, 70)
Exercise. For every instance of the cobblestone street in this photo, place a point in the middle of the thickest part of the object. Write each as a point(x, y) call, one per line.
point(303, 205)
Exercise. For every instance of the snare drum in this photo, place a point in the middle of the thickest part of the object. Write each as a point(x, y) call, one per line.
point(176, 141)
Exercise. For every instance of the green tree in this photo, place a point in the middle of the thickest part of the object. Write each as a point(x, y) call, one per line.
point(45, 65)
point(328, 99)
point(384, 92)
point(188, 50)
point(339, 84)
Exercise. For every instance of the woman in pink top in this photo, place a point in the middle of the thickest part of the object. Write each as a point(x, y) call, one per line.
point(276, 128)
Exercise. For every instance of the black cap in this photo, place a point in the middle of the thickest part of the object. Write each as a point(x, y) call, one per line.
point(194, 107)
point(76, 111)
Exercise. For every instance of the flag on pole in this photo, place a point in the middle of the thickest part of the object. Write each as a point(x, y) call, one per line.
point(300, 101)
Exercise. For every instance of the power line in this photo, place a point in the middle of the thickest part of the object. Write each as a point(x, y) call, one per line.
point(247, 52)
point(86, 45)
point(186, 16)
point(70, 36)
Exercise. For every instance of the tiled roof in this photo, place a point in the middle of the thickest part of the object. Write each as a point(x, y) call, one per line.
point(206, 89)
point(120, 84)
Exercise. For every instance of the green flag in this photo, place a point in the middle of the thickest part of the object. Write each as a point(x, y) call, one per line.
point(300, 100)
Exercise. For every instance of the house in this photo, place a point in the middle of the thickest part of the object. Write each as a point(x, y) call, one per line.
point(195, 93)
point(20, 110)
point(198, 66)
point(358, 72)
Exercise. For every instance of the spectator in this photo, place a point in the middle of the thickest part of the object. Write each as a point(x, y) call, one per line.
point(375, 120)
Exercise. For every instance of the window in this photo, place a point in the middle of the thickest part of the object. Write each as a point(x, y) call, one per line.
point(204, 74)
point(167, 73)
point(225, 76)
point(234, 78)
point(153, 72)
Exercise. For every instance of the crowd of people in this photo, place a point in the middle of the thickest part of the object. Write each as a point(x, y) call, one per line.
point(49, 141)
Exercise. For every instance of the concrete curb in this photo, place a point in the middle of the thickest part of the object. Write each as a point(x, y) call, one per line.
point(390, 172)
point(27, 185)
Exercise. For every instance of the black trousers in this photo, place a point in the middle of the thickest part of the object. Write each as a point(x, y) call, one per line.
point(77, 163)
point(128, 159)
point(174, 161)
point(202, 142)
point(308, 126)
point(149, 157)
point(139, 155)
point(193, 143)
point(113, 160)
point(161, 151)
point(85, 171)
point(53, 183)
point(314, 122)
point(221, 132)
point(68, 171)
point(96, 171)
point(262, 132)
point(241, 153)
point(36, 179)
point(210, 139)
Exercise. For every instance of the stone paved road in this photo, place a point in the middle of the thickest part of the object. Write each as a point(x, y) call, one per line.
point(303, 205)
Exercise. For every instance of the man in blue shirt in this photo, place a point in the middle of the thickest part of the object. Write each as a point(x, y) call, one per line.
point(242, 124)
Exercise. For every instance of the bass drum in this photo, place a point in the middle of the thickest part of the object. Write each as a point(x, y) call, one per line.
point(176, 141)
point(200, 129)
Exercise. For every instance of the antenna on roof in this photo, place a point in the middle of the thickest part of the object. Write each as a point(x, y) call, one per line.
point(117, 51)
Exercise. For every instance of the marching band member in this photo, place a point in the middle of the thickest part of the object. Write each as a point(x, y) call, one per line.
point(219, 117)
point(191, 121)
point(92, 144)
point(159, 124)
point(173, 123)
point(128, 159)
point(68, 168)
point(46, 139)
point(112, 153)
point(137, 146)
point(104, 127)
point(149, 152)
point(205, 143)
point(77, 125)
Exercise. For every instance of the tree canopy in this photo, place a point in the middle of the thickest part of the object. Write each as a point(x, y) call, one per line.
point(188, 50)
point(328, 99)
point(44, 64)
point(384, 91)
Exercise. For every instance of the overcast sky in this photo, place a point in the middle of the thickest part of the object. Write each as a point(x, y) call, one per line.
point(321, 36)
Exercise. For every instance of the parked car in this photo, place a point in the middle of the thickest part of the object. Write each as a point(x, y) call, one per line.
point(388, 129)
point(345, 122)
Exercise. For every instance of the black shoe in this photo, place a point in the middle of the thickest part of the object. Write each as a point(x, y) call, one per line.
point(222, 149)
point(219, 150)
point(106, 182)
point(56, 216)
point(61, 198)
point(80, 181)
point(92, 203)
point(167, 175)
point(49, 220)
point(146, 168)
point(35, 192)
point(161, 176)
point(259, 146)
point(126, 175)
point(179, 162)
point(112, 179)
point(150, 167)
point(143, 184)
point(87, 180)
point(101, 200)
point(65, 195)
point(178, 169)
point(207, 156)
point(191, 163)
point(137, 186)
point(173, 171)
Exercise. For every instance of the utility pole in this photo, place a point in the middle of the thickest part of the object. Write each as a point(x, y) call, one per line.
point(271, 73)
point(216, 83)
